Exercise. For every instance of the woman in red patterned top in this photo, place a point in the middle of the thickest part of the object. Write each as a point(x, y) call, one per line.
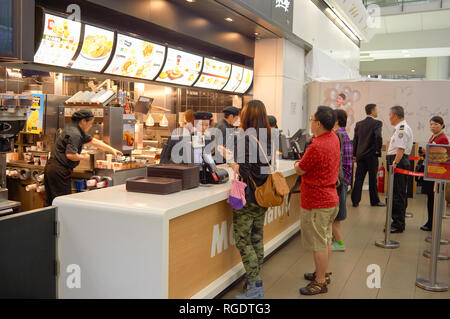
point(437, 128)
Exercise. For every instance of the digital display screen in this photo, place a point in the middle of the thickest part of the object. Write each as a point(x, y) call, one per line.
point(235, 78)
point(6, 27)
point(181, 68)
point(246, 82)
point(215, 75)
point(59, 42)
point(96, 50)
point(136, 58)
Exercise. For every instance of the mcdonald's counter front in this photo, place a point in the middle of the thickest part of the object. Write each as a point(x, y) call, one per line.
point(135, 245)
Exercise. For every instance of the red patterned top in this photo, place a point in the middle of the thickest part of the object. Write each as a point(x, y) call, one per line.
point(321, 164)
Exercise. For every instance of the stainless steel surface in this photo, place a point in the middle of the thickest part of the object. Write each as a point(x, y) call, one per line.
point(387, 242)
point(119, 177)
point(440, 256)
point(443, 240)
point(428, 285)
point(52, 104)
point(113, 127)
point(9, 207)
point(3, 194)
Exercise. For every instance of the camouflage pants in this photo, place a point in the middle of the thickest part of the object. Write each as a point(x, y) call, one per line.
point(248, 234)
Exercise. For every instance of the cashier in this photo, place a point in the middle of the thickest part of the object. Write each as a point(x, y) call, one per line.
point(66, 154)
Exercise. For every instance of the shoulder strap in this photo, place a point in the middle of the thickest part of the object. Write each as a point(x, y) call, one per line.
point(264, 153)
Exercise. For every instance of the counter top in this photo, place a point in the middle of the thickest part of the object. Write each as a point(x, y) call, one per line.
point(169, 206)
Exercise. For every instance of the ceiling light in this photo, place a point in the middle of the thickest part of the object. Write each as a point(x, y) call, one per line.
point(256, 33)
point(190, 1)
point(413, 70)
point(229, 19)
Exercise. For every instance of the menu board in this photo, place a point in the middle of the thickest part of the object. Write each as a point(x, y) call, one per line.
point(437, 162)
point(246, 82)
point(35, 117)
point(181, 68)
point(59, 42)
point(235, 78)
point(96, 50)
point(215, 75)
point(136, 58)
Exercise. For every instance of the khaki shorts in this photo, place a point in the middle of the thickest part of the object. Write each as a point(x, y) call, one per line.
point(316, 226)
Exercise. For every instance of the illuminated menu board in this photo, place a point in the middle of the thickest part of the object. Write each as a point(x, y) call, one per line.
point(181, 68)
point(59, 42)
point(235, 78)
point(246, 82)
point(96, 50)
point(215, 75)
point(136, 58)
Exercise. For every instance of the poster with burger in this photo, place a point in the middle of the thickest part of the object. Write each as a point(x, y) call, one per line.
point(437, 162)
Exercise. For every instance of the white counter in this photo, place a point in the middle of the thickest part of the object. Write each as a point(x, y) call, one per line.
point(120, 239)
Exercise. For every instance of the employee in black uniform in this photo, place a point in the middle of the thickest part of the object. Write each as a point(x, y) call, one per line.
point(66, 154)
point(272, 121)
point(227, 123)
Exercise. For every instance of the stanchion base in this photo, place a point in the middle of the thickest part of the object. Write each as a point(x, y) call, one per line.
point(427, 253)
point(443, 241)
point(409, 215)
point(426, 284)
point(391, 244)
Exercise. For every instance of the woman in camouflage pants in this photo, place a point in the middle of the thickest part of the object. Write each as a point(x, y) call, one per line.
point(249, 221)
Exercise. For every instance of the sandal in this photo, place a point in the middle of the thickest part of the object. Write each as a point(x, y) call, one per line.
point(312, 277)
point(314, 288)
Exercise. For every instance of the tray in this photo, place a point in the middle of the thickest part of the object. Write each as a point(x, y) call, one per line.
point(153, 185)
point(190, 175)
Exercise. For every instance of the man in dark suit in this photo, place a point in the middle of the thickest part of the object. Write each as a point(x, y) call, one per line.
point(367, 144)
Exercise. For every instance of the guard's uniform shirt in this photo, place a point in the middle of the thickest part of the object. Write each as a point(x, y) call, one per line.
point(58, 171)
point(402, 138)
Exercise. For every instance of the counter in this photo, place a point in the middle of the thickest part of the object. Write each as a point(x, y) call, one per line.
point(134, 245)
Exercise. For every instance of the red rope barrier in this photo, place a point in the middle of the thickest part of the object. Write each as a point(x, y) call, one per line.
point(415, 158)
point(406, 172)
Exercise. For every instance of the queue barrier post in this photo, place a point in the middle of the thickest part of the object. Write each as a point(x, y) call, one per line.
point(431, 284)
point(387, 242)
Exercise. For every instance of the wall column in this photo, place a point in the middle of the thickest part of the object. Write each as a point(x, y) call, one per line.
point(437, 68)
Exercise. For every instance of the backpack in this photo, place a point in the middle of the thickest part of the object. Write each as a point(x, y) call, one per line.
point(340, 180)
point(272, 192)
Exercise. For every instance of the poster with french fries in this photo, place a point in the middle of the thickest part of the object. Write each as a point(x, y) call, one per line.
point(437, 162)
point(96, 49)
point(181, 68)
point(35, 117)
point(246, 82)
point(136, 58)
point(215, 75)
point(59, 41)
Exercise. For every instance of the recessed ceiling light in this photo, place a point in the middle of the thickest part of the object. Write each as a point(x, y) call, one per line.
point(413, 70)
point(256, 33)
point(229, 19)
point(190, 1)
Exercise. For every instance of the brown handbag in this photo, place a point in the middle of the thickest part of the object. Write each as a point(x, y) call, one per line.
point(272, 192)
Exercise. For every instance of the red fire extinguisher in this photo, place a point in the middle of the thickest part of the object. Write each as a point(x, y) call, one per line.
point(380, 176)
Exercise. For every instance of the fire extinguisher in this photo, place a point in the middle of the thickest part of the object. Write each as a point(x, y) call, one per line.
point(380, 176)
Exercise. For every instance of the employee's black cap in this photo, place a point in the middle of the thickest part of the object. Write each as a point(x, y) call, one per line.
point(273, 121)
point(82, 114)
point(203, 115)
point(231, 110)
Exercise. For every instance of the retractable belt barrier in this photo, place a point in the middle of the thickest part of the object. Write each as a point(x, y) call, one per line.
point(415, 158)
point(409, 173)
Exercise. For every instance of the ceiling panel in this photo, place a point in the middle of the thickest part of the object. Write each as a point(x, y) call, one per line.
point(403, 23)
point(436, 20)
point(382, 28)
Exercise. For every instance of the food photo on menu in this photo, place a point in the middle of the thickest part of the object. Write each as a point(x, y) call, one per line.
point(96, 50)
point(235, 79)
point(59, 41)
point(439, 162)
point(246, 82)
point(136, 58)
point(181, 68)
point(215, 75)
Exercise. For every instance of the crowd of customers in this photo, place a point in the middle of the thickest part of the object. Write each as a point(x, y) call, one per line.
point(326, 168)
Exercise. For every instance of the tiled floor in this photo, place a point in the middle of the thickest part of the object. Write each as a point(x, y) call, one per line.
point(282, 273)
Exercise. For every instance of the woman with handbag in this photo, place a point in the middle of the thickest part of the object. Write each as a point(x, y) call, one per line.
point(253, 168)
point(437, 128)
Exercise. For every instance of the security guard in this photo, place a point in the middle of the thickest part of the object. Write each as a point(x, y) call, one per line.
point(66, 154)
point(399, 150)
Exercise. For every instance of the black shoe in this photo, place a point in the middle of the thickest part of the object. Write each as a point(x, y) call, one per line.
point(396, 231)
point(425, 228)
point(379, 204)
point(355, 205)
